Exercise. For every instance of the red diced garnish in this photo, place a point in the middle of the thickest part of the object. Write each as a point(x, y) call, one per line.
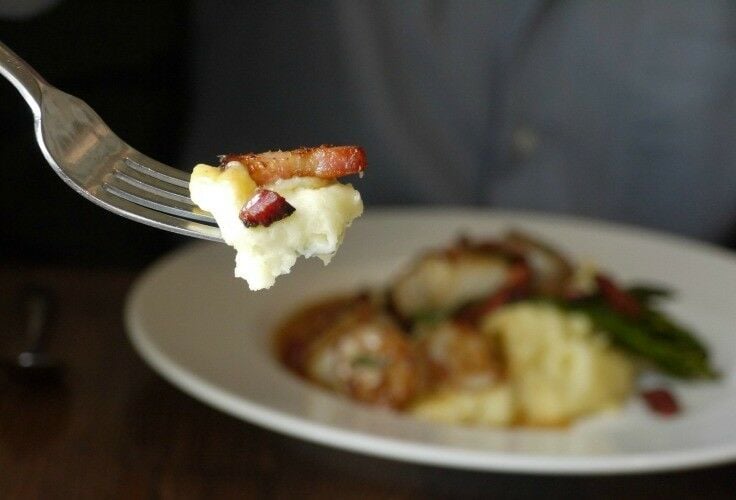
point(265, 208)
point(661, 401)
point(617, 298)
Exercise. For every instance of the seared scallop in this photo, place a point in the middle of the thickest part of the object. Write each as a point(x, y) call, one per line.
point(444, 281)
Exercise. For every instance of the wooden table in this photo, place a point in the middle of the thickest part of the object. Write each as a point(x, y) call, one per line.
point(115, 429)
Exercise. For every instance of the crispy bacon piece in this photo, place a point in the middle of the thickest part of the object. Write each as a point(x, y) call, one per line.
point(265, 208)
point(325, 162)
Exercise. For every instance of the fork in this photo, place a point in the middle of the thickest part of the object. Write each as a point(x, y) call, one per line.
point(97, 164)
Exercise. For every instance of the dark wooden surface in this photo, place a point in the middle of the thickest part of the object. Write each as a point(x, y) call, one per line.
point(114, 429)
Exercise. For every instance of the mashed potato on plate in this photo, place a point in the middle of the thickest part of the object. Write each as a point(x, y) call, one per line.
point(492, 406)
point(560, 368)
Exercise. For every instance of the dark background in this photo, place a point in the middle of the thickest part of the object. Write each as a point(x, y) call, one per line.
point(127, 61)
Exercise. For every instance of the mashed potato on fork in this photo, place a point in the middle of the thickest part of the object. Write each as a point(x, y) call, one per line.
point(322, 209)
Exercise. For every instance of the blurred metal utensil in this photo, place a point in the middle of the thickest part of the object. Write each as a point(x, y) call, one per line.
point(97, 164)
point(34, 364)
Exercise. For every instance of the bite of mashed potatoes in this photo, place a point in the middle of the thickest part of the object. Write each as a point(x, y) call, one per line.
point(323, 209)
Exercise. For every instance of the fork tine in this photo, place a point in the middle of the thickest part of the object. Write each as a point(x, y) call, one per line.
point(153, 184)
point(154, 218)
point(86, 154)
point(145, 165)
point(118, 186)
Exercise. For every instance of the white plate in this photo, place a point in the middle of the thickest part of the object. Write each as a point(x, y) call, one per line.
point(207, 334)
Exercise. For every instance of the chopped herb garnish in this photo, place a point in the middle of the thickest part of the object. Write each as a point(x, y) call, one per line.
point(367, 361)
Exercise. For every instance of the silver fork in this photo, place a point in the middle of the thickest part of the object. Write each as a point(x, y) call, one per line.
point(89, 157)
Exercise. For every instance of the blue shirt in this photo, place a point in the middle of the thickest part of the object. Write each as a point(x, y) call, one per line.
point(616, 110)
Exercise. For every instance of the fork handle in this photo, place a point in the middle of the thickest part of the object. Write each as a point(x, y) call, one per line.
point(28, 82)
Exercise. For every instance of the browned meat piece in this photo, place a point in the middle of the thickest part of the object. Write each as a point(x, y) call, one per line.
point(367, 357)
point(457, 355)
point(325, 162)
point(296, 334)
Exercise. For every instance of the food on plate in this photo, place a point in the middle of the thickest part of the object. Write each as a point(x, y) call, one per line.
point(560, 368)
point(498, 332)
point(323, 162)
point(273, 207)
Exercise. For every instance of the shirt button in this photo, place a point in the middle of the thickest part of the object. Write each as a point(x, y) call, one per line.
point(524, 142)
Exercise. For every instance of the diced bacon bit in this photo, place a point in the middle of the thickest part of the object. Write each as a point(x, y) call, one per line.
point(621, 301)
point(265, 208)
point(324, 162)
point(661, 401)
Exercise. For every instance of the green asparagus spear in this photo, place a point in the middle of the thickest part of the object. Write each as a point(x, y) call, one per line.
point(652, 336)
point(648, 295)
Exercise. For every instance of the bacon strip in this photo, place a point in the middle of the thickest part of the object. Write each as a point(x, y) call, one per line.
point(325, 162)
